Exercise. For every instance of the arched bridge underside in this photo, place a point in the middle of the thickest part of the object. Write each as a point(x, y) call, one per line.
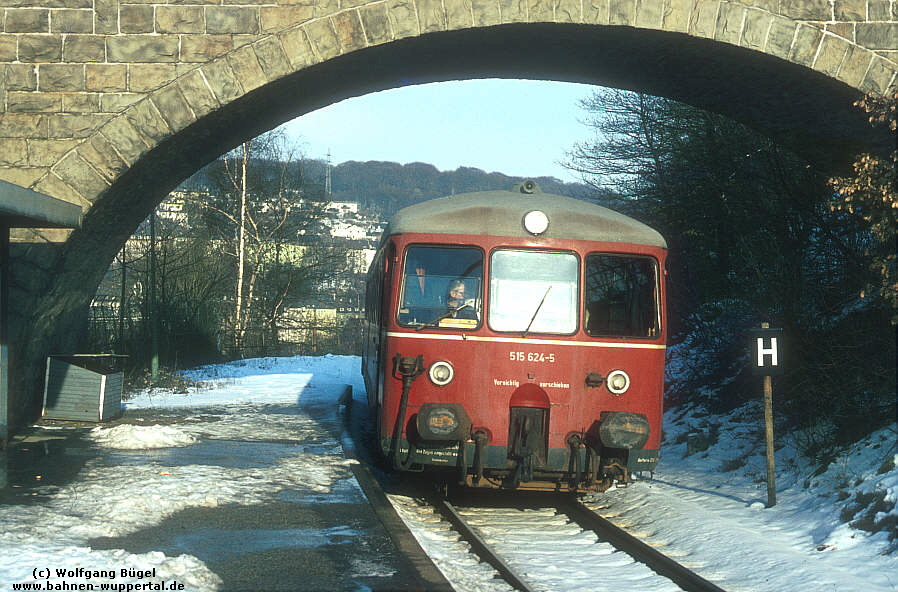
point(110, 104)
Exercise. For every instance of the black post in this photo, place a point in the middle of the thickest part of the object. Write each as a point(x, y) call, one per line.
point(4, 335)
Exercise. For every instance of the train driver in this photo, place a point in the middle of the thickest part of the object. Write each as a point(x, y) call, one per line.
point(456, 303)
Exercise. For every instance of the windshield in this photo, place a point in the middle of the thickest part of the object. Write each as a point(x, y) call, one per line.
point(441, 287)
point(621, 296)
point(533, 292)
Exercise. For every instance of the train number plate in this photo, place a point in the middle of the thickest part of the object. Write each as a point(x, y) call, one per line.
point(519, 356)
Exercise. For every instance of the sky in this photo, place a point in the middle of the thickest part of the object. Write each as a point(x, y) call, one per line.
point(156, 462)
point(522, 128)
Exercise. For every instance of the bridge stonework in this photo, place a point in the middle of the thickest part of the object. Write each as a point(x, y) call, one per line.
point(92, 91)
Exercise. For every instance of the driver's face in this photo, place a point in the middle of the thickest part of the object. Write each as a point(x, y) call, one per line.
point(457, 293)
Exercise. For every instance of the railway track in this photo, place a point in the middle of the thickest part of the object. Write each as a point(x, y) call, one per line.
point(518, 534)
point(513, 532)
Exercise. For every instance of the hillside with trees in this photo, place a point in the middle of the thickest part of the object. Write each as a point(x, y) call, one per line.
point(757, 234)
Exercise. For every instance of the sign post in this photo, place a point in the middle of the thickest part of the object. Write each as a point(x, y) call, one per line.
point(767, 361)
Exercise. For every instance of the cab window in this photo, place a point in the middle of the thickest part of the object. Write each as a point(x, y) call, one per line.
point(533, 291)
point(622, 297)
point(441, 287)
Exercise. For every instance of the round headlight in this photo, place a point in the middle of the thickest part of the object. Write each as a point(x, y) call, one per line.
point(441, 373)
point(536, 222)
point(618, 382)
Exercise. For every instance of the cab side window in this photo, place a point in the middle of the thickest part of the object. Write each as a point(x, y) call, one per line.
point(621, 296)
point(441, 287)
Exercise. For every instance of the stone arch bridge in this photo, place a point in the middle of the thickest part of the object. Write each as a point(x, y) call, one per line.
point(109, 104)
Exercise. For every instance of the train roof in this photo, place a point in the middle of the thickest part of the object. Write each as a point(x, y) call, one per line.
point(500, 213)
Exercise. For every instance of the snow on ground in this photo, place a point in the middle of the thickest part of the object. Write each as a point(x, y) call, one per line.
point(705, 507)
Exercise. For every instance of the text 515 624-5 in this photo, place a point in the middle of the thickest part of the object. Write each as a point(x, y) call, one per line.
point(519, 356)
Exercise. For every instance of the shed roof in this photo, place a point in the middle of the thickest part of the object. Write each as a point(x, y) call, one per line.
point(24, 208)
point(500, 213)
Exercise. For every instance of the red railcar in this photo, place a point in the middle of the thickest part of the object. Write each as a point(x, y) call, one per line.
point(516, 339)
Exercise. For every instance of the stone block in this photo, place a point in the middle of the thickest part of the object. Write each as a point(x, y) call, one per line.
point(855, 65)
point(84, 48)
point(24, 125)
point(202, 48)
point(33, 102)
point(806, 10)
point(142, 49)
point(79, 175)
point(850, 10)
point(376, 22)
point(21, 76)
point(431, 16)
point(180, 19)
point(272, 58)
point(403, 19)
point(22, 176)
point(703, 21)
point(81, 102)
point(40, 48)
point(71, 21)
point(844, 30)
point(597, 12)
point(832, 52)
point(326, 7)
point(72, 125)
point(880, 10)
point(106, 17)
point(676, 15)
point(148, 77)
point(118, 102)
point(780, 37)
point(515, 11)
point(880, 76)
point(804, 48)
point(128, 143)
point(145, 117)
point(101, 155)
point(27, 20)
point(8, 48)
point(729, 23)
point(348, 26)
point(323, 38)
point(297, 47)
point(754, 31)
point(173, 107)
point(136, 18)
point(106, 77)
point(541, 11)
point(228, 19)
point(13, 152)
point(278, 18)
point(877, 35)
point(61, 77)
point(486, 12)
point(246, 68)
point(650, 14)
point(622, 12)
point(458, 14)
point(222, 80)
point(197, 93)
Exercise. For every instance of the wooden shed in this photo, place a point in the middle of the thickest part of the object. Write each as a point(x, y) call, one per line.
point(83, 387)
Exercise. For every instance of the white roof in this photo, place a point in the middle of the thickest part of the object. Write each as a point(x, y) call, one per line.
point(500, 213)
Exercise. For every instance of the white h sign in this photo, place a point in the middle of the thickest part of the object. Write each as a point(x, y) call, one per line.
point(765, 351)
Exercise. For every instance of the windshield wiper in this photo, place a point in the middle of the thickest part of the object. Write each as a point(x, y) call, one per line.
point(536, 312)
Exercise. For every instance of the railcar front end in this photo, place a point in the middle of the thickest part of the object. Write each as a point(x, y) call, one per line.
point(517, 340)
